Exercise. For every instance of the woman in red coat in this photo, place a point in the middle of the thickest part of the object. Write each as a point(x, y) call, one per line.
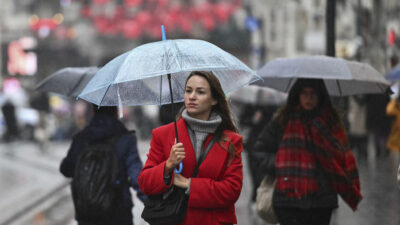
point(216, 188)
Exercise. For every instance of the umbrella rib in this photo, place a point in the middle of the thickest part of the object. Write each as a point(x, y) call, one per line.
point(104, 95)
point(382, 89)
point(178, 84)
point(43, 82)
point(288, 85)
point(340, 89)
point(176, 58)
point(77, 84)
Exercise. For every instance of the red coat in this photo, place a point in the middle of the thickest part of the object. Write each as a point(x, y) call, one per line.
point(217, 186)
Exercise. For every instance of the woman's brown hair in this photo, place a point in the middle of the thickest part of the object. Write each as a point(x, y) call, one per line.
point(221, 108)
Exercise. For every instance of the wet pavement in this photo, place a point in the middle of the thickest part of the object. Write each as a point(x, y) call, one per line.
point(34, 192)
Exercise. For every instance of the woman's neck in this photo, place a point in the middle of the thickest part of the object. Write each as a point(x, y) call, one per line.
point(203, 125)
point(204, 116)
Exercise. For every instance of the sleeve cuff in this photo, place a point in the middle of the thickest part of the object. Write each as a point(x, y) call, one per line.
point(167, 179)
point(187, 191)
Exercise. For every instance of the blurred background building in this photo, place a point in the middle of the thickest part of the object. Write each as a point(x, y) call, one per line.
point(38, 37)
point(366, 30)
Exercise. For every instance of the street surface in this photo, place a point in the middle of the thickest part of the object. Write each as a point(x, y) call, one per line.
point(33, 192)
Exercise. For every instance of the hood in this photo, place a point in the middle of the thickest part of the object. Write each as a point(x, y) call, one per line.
point(102, 126)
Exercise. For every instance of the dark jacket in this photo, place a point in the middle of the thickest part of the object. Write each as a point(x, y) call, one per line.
point(377, 120)
point(100, 127)
point(266, 147)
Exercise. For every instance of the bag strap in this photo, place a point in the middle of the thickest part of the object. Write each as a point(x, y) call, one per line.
point(204, 154)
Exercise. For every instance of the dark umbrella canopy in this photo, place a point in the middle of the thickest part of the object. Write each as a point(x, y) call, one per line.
point(341, 77)
point(68, 81)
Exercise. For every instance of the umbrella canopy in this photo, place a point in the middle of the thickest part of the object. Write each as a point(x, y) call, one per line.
point(394, 74)
point(341, 77)
point(68, 81)
point(139, 77)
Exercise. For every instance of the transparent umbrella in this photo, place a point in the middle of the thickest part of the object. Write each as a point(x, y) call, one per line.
point(341, 77)
point(140, 76)
point(155, 73)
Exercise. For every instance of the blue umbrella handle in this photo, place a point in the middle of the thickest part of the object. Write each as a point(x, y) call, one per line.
point(163, 33)
point(178, 171)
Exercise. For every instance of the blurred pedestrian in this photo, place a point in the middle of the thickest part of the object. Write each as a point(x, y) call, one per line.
point(216, 188)
point(393, 109)
point(398, 175)
point(9, 114)
point(40, 102)
point(143, 122)
point(307, 151)
point(358, 135)
point(255, 117)
point(378, 123)
point(105, 125)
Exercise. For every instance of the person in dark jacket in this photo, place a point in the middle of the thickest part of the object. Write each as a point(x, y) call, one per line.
point(255, 117)
point(306, 149)
point(378, 123)
point(12, 131)
point(105, 124)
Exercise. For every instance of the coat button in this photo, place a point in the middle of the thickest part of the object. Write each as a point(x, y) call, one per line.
point(285, 179)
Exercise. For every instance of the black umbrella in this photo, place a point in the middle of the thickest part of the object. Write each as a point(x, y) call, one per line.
point(68, 81)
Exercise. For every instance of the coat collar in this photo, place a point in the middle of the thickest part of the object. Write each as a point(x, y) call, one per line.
point(212, 160)
point(184, 138)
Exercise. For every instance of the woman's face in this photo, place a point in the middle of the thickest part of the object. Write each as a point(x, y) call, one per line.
point(198, 98)
point(308, 98)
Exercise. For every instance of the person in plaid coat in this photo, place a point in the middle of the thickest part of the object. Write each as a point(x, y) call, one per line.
point(307, 150)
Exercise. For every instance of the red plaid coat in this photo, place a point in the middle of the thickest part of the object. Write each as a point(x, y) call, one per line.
point(316, 144)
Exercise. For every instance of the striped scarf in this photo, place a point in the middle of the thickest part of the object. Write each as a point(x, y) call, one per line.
point(320, 141)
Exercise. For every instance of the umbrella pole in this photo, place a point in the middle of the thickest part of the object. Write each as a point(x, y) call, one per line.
point(173, 106)
point(173, 111)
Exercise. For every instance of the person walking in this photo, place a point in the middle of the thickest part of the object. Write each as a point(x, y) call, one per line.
point(216, 188)
point(254, 117)
point(357, 132)
point(398, 175)
point(377, 122)
point(307, 152)
point(9, 114)
point(393, 110)
point(105, 125)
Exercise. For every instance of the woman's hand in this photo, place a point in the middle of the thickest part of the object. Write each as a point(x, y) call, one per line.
point(181, 181)
point(176, 155)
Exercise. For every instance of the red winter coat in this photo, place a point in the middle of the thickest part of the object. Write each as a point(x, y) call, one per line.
point(217, 186)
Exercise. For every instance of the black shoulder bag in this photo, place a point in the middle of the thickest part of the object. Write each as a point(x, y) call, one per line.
point(170, 206)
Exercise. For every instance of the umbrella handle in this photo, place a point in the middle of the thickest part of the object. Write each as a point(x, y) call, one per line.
point(178, 171)
point(163, 33)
